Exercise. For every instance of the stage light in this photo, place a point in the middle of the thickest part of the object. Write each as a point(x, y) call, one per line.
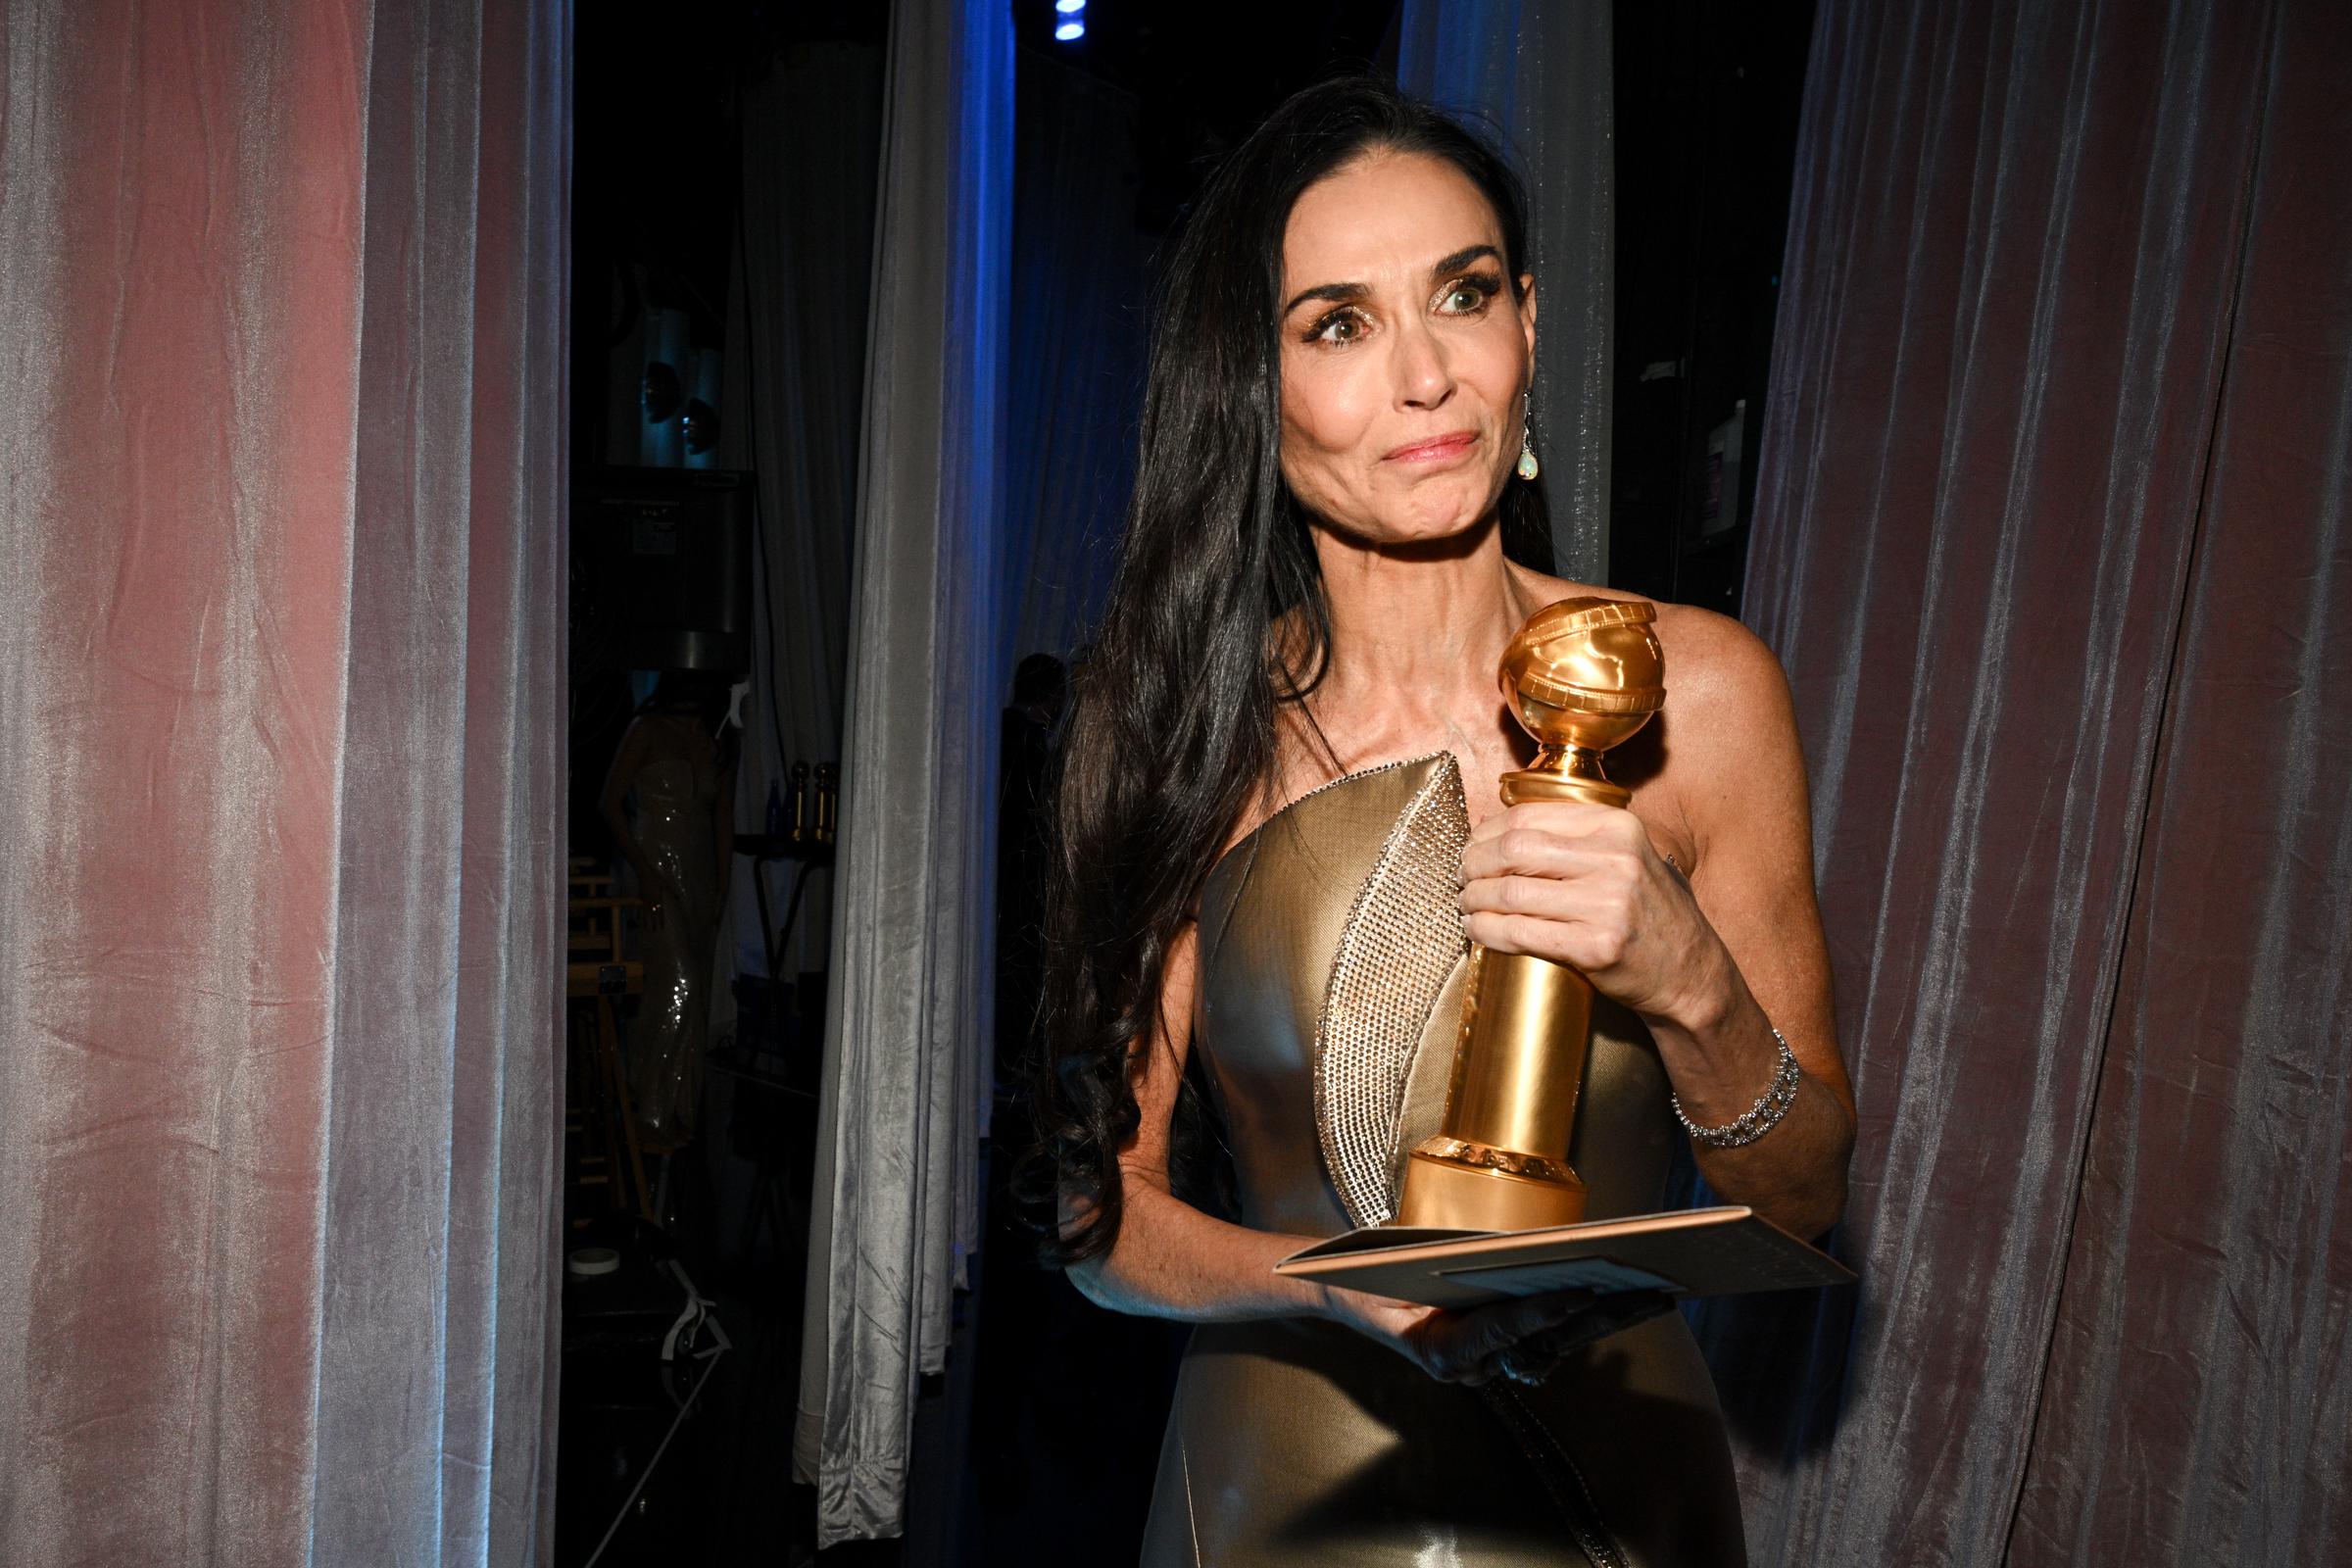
point(1069, 31)
point(1069, 8)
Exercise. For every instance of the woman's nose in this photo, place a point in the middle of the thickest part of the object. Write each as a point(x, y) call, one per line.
point(1424, 380)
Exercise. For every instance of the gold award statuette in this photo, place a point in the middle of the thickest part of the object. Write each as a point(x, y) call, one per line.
point(1580, 677)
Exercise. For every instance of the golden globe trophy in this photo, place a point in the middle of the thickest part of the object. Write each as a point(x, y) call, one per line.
point(1580, 677)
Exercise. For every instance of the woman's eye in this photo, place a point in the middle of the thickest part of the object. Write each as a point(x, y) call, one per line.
point(1344, 326)
point(1463, 298)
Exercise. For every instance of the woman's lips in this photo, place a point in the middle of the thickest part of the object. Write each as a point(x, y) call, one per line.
point(1438, 449)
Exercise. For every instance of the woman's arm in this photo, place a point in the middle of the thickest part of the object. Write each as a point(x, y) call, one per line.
point(1169, 1259)
point(1712, 962)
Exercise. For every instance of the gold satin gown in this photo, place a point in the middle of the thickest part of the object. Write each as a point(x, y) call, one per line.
point(1331, 965)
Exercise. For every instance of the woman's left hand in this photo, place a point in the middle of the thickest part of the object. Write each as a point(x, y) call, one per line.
point(1582, 885)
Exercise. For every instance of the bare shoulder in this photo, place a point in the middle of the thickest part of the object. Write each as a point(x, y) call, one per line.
point(1734, 765)
point(1715, 663)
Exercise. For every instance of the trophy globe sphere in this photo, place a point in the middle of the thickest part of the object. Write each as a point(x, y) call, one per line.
point(1580, 677)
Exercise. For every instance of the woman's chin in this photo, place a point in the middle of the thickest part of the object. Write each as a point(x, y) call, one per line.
point(1433, 531)
point(1432, 520)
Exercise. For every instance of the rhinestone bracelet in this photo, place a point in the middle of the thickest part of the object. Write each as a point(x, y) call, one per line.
point(1761, 1117)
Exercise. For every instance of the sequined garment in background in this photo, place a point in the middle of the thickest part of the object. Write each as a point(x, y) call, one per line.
point(676, 789)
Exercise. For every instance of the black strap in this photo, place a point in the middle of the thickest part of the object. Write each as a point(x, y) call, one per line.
point(1561, 1478)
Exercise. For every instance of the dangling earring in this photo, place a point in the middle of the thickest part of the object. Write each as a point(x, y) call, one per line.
point(1529, 468)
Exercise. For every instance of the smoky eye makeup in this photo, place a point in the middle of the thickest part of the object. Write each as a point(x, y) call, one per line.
point(1486, 285)
point(1318, 329)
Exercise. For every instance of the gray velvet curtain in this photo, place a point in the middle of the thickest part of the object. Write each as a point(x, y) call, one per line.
point(795, 380)
point(282, 571)
point(1539, 78)
point(906, 1027)
point(2054, 536)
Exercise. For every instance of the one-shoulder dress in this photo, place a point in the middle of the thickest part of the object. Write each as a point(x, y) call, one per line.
point(1331, 965)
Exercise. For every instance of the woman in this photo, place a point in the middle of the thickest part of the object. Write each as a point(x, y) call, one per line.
point(1293, 695)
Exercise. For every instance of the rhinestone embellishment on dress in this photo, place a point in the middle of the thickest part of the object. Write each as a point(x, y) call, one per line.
point(1402, 939)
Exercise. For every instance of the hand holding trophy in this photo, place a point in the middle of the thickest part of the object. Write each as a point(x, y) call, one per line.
point(1583, 676)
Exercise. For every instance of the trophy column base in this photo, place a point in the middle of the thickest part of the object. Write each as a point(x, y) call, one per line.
point(1442, 1191)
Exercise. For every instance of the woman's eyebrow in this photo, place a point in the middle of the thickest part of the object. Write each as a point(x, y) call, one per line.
point(1341, 293)
point(1463, 258)
point(1349, 293)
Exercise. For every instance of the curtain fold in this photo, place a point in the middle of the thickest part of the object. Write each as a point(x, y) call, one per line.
point(281, 297)
point(2050, 540)
point(906, 1027)
point(2210, 1243)
point(1540, 78)
point(1081, 272)
point(795, 379)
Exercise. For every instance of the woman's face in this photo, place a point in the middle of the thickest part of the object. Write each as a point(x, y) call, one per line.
point(1403, 354)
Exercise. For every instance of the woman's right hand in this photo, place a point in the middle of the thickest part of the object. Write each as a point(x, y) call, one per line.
point(1521, 1339)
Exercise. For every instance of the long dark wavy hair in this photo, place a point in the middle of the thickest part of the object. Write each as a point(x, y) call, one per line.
point(1173, 718)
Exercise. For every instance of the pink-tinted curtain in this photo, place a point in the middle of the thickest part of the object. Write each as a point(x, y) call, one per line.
point(2054, 536)
point(281, 697)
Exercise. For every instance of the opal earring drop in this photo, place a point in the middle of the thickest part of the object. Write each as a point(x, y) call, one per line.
point(1529, 468)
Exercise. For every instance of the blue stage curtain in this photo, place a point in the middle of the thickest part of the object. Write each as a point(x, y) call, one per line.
point(1081, 273)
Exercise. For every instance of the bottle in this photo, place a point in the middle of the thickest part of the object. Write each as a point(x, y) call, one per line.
point(828, 801)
